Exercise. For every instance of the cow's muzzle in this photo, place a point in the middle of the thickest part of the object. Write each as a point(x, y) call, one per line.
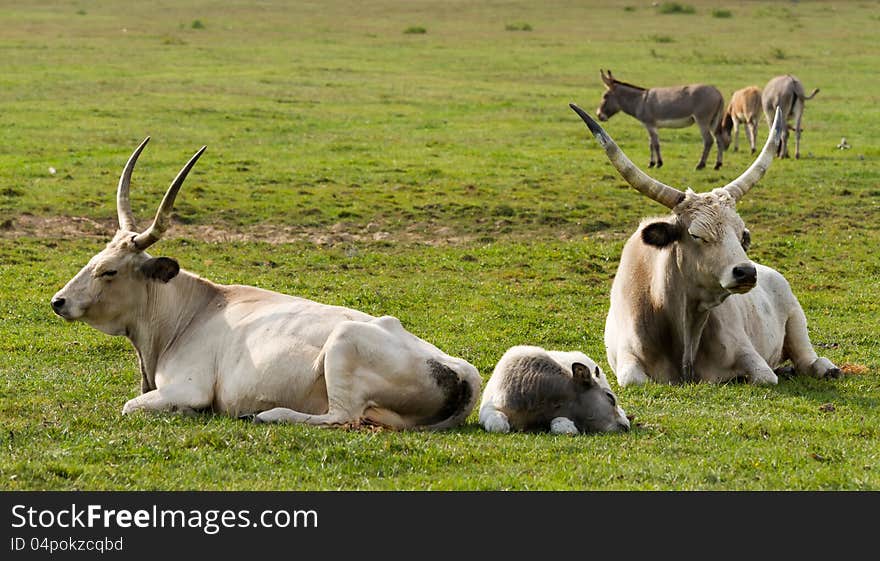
point(60, 307)
point(745, 277)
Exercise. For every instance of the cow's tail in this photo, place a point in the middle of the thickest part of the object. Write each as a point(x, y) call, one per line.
point(461, 388)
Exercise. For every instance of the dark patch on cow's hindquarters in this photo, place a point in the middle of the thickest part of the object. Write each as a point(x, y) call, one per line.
point(660, 234)
point(160, 268)
point(457, 392)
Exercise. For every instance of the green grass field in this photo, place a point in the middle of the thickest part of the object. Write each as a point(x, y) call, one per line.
point(419, 159)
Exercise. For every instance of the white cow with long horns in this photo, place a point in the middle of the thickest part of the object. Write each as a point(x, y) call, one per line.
point(687, 303)
point(241, 350)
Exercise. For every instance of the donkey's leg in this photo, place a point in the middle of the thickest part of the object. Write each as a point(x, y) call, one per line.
point(654, 141)
point(736, 135)
point(799, 113)
point(720, 147)
point(707, 145)
point(752, 131)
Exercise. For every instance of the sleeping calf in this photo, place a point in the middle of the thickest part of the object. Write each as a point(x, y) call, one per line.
point(532, 389)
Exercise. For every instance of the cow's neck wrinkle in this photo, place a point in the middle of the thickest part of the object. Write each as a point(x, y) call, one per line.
point(165, 312)
point(693, 309)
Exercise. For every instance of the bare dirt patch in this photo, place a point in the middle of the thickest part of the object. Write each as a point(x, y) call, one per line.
point(69, 227)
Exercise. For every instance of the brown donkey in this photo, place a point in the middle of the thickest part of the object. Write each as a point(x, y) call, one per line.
point(744, 107)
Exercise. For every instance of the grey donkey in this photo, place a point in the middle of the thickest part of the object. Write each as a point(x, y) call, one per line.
point(787, 93)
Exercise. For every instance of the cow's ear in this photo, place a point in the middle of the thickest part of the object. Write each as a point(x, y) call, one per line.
point(160, 268)
point(661, 234)
point(582, 375)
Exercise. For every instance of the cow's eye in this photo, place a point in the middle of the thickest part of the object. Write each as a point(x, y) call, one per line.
point(746, 240)
point(107, 274)
point(695, 237)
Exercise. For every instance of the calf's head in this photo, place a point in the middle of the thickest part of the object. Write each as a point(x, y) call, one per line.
point(108, 289)
point(594, 407)
point(711, 238)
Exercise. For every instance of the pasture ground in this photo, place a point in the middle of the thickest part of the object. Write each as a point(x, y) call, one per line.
point(439, 177)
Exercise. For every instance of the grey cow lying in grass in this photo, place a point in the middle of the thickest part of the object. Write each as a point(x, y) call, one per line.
point(532, 389)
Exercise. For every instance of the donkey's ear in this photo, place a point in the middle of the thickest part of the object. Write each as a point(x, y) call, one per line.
point(160, 268)
point(582, 375)
point(661, 234)
point(606, 79)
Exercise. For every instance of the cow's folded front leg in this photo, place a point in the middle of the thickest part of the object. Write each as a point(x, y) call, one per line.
point(756, 369)
point(285, 415)
point(183, 398)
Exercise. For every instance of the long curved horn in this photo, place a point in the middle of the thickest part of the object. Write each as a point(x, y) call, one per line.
point(741, 185)
point(123, 204)
point(163, 215)
point(642, 182)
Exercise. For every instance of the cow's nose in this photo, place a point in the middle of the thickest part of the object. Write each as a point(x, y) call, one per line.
point(57, 304)
point(745, 274)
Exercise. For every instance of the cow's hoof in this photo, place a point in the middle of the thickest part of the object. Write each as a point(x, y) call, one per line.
point(632, 377)
point(785, 372)
point(824, 368)
point(251, 417)
point(762, 378)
